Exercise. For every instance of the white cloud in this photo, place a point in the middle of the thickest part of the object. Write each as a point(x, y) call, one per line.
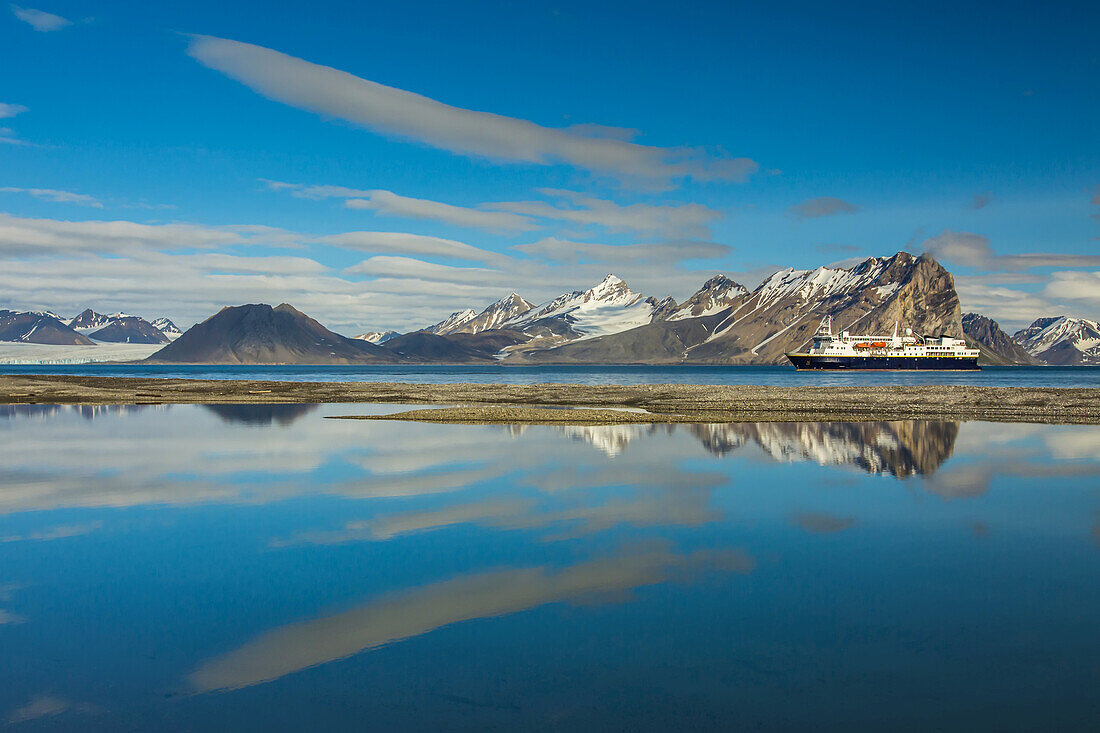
point(407, 267)
point(672, 253)
point(39, 19)
point(388, 202)
point(404, 243)
point(11, 110)
point(7, 135)
point(664, 220)
point(401, 113)
point(55, 195)
point(59, 532)
point(23, 236)
point(1078, 287)
point(822, 206)
point(1013, 308)
point(974, 250)
point(189, 271)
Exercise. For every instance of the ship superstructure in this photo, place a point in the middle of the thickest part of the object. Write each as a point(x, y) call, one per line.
point(845, 351)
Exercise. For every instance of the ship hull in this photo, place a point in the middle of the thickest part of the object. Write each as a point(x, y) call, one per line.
point(887, 363)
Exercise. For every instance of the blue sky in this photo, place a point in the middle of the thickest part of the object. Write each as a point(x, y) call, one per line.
point(380, 165)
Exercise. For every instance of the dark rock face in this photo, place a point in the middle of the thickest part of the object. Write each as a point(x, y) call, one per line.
point(997, 347)
point(37, 328)
point(427, 346)
point(130, 330)
point(663, 342)
point(260, 334)
point(261, 414)
point(90, 319)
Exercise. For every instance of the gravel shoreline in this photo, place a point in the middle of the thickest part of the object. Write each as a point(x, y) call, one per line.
point(668, 402)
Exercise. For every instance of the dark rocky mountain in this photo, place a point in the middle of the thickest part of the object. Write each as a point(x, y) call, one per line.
point(455, 348)
point(260, 334)
point(491, 342)
point(427, 346)
point(662, 342)
point(89, 319)
point(1062, 340)
point(38, 328)
point(996, 346)
point(261, 414)
point(130, 330)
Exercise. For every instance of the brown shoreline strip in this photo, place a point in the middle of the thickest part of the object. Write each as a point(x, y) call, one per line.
point(687, 403)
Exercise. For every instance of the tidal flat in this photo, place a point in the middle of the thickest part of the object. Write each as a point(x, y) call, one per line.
point(596, 404)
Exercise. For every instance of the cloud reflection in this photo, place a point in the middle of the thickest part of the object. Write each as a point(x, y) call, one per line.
point(417, 611)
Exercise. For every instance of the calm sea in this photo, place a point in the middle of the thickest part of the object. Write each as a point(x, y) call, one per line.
point(260, 567)
point(768, 375)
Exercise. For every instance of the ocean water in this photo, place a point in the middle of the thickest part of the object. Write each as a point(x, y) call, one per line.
point(261, 567)
point(442, 374)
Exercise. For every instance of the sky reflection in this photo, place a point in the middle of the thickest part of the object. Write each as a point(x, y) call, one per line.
point(163, 553)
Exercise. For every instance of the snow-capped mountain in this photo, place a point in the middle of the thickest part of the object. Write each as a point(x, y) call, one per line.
point(716, 295)
point(453, 321)
point(607, 307)
point(506, 309)
point(1062, 340)
point(38, 328)
point(378, 337)
point(166, 327)
point(123, 329)
point(781, 314)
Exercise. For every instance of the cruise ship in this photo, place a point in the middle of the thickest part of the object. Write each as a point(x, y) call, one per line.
point(844, 351)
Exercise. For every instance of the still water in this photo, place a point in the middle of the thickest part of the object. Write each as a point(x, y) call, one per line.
point(262, 567)
point(783, 376)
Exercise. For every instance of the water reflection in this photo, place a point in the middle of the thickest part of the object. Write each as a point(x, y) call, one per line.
point(261, 414)
point(416, 611)
point(899, 448)
point(157, 550)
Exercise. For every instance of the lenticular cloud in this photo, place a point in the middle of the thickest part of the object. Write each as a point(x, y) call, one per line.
point(391, 111)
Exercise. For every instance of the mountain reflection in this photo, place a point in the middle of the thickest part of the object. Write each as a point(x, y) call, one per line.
point(417, 611)
point(88, 412)
point(262, 414)
point(899, 448)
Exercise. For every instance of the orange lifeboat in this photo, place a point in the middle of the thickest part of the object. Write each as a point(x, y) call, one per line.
point(862, 346)
point(879, 345)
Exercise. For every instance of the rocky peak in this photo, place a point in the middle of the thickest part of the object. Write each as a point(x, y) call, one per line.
point(611, 288)
point(453, 321)
point(89, 319)
point(1062, 340)
point(997, 347)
